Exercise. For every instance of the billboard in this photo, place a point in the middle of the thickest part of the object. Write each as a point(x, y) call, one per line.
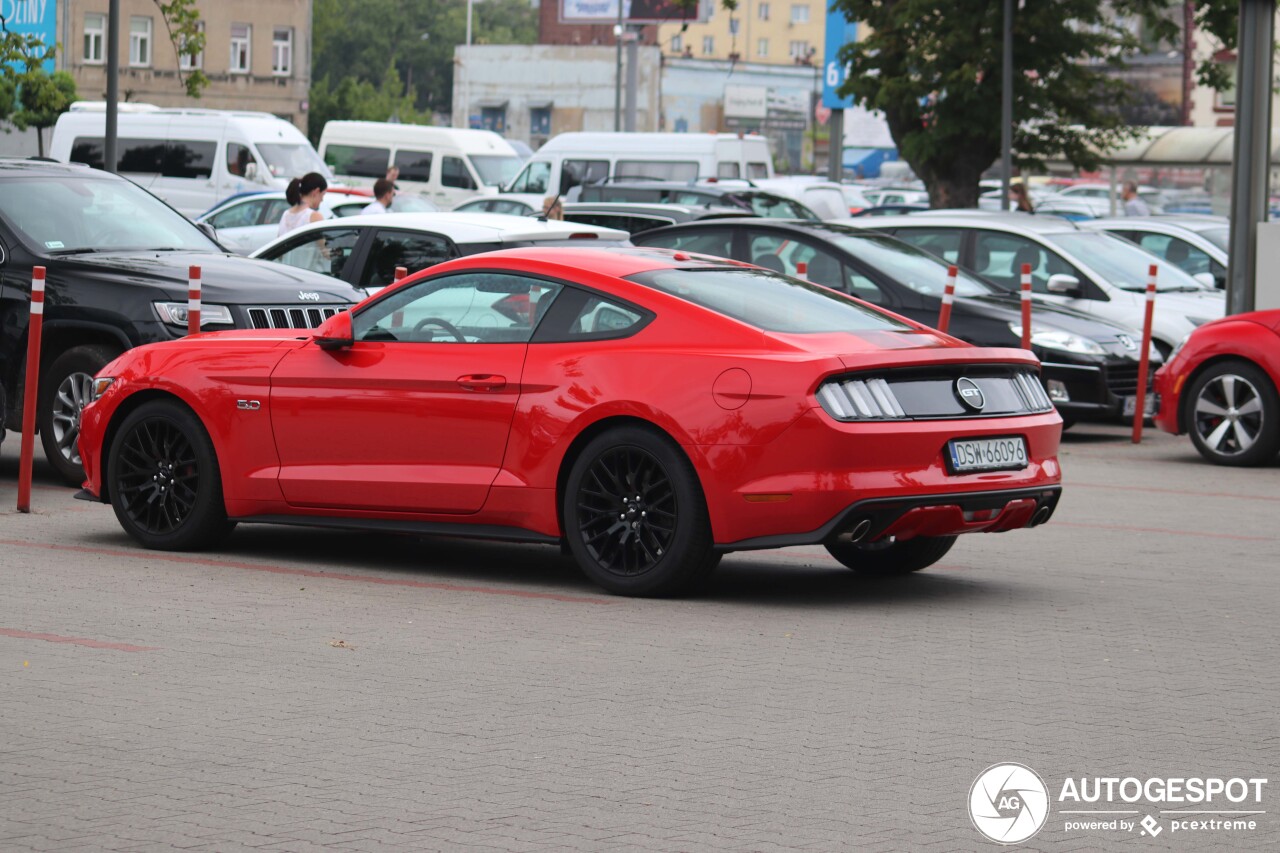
point(633, 11)
point(32, 18)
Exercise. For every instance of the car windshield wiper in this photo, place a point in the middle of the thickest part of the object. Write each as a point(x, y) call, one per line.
point(83, 250)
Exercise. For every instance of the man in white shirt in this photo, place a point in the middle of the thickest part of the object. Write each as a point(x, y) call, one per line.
point(384, 191)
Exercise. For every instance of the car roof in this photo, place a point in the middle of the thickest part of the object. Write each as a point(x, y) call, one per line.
point(472, 227)
point(972, 218)
point(37, 166)
point(1176, 221)
point(688, 210)
point(618, 261)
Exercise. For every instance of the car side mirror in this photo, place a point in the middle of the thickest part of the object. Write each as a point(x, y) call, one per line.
point(1206, 278)
point(208, 230)
point(335, 333)
point(1067, 285)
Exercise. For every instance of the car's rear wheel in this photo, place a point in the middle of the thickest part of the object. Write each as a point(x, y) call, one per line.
point(67, 388)
point(1234, 414)
point(890, 556)
point(635, 517)
point(163, 478)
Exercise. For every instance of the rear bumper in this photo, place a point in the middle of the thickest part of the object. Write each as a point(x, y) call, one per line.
point(923, 515)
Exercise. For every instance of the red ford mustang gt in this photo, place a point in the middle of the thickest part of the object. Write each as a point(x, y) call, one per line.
point(1221, 385)
point(648, 411)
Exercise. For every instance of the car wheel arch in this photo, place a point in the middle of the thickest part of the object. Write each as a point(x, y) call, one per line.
point(124, 409)
point(1184, 398)
point(584, 437)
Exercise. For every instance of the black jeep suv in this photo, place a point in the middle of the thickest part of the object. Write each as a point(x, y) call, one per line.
point(117, 260)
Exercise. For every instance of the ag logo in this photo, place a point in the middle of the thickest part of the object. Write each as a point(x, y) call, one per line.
point(970, 395)
point(1008, 803)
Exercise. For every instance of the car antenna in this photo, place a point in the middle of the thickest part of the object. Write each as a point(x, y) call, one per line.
point(542, 217)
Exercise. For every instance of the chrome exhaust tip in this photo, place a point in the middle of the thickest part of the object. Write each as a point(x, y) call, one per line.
point(857, 532)
point(1041, 516)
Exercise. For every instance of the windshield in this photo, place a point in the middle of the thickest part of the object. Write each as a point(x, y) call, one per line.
point(772, 206)
point(769, 300)
point(1217, 236)
point(77, 213)
point(294, 160)
point(1122, 263)
point(495, 170)
point(904, 263)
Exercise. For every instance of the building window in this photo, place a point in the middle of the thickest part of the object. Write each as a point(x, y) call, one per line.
point(763, 11)
point(1226, 98)
point(677, 43)
point(95, 28)
point(540, 121)
point(800, 13)
point(139, 42)
point(708, 44)
point(188, 62)
point(733, 26)
point(241, 48)
point(494, 118)
point(762, 47)
point(282, 51)
point(799, 50)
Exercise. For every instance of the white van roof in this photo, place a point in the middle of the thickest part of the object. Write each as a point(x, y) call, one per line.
point(643, 143)
point(383, 133)
point(101, 107)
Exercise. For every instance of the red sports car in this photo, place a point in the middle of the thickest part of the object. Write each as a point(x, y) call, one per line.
point(648, 411)
point(1220, 386)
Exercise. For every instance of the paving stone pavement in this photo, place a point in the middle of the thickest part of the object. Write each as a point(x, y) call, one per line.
point(301, 690)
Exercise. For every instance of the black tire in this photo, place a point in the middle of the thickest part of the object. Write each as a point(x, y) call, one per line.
point(1233, 414)
point(891, 557)
point(64, 391)
point(163, 478)
point(635, 517)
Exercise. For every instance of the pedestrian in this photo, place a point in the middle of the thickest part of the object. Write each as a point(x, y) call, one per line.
point(384, 193)
point(552, 208)
point(1021, 198)
point(1133, 203)
point(304, 195)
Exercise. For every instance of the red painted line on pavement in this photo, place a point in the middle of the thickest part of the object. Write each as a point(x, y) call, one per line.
point(1191, 492)
point(310, 573)
point(1163, 531)
point(77, 641)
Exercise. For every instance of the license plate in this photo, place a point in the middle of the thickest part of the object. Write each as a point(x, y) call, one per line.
point(1148, 406)
point(987, 454)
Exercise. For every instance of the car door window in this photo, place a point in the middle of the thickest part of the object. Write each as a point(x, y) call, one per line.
point(391, 249)
point(821, 266)
point(363, 162)
point(238, 159)
point(1178, 252)
point(324, 251)
point(999, 257)
point(414, 165)
point(453, 173)
point(238, 215)
point(512, 208)
point(466, 308)
point(533, 179)
point(943, 242)
point(708, 241)
point(576, 172)
point(273, 210)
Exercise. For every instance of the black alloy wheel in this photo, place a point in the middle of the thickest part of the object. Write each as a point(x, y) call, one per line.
point(635, 517)
point(67, 387)
point(164, 481)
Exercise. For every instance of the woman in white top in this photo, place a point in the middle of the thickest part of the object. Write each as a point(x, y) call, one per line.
point(305, 195)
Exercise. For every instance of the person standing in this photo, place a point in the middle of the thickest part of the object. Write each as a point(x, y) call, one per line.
point(304, 196)
point(1021, 198)
point(384, 193)
point(1133, 203)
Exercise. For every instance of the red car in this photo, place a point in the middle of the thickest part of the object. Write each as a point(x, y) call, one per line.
point(1220, 386)
point(648, 411)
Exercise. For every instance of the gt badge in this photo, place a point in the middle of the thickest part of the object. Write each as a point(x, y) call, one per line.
point(970, 395)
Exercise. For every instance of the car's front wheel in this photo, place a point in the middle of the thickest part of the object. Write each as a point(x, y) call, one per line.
point(890, 556)
point(67, 388)
point(1234, 414)
point(163, 478)
point(635, 518)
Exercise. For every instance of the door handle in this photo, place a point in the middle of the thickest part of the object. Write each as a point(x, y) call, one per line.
point(482, 382)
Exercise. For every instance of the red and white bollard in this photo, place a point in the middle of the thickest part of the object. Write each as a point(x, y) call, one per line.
point(1026, 306)
point(948, 296)
point(802, 271)
point(27, 451)
point(1144, 360)
point(193, 301)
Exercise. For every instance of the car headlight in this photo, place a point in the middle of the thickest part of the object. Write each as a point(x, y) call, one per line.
point(175, 314)
point(100, 386)
point(1060, 340)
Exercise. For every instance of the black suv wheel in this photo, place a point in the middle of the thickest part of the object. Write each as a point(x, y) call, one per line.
point(65, 389)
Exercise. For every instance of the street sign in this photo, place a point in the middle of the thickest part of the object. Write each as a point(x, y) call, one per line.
point(840, 31)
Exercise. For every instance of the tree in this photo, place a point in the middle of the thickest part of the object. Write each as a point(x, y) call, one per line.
point(933, 67)
point(359, 100)
point(185, 34)
point(43, 97)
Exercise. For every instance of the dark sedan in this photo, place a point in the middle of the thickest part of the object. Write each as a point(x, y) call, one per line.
point(1090, 366)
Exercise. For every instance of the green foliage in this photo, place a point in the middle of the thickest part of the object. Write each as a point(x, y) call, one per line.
point(934, 68)
point(357, 39)
point(182, 20)
point(359, 100)
point(43, 97)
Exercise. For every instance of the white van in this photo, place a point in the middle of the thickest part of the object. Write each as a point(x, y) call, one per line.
point(572, 159)
point(192, 159)
point(447, 165)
